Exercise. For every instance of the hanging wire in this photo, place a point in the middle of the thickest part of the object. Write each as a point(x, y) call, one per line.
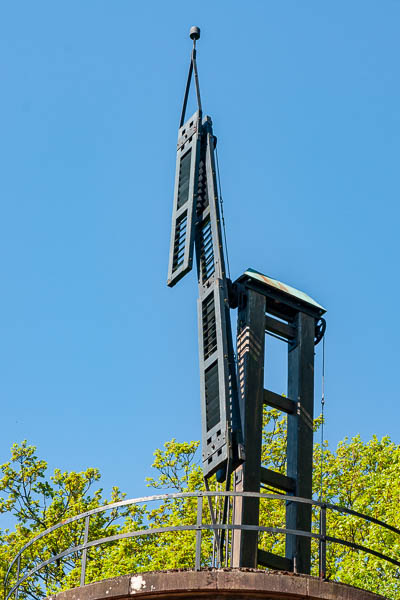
point(323, 419)
point(221, 203)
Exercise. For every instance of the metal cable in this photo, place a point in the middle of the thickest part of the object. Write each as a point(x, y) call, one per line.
point(221, 203)
point(185, 98)
point(196, 76)
point(323, 420)
point(192, 68)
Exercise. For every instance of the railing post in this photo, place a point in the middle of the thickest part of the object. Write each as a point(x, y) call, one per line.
point(322, 542)
point(199, 523)
point(84, 551)
point(227, 533)
point(18, 570)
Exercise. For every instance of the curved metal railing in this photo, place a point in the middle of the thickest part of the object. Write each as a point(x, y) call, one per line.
point(199, 527)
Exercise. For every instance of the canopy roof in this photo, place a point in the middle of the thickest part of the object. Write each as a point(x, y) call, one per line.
point(284, 288)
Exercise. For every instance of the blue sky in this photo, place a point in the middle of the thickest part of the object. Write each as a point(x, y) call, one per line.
point(98, 358)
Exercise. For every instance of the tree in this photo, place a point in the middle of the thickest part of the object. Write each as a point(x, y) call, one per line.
point(362, 476)
point(358, 475)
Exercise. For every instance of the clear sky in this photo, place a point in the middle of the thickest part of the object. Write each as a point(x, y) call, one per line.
point(98, 358)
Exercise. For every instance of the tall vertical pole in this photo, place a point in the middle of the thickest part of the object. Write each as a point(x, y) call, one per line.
point(250, 351)
point(300, 439)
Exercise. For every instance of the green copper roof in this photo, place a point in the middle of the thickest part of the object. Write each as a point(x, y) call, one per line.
point(283, 287)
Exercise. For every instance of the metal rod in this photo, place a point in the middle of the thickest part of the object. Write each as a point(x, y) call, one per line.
point(322, 422)
point(185, 99)
point(225, 509)
point(198, 532)
point(322, 543)
point(192, 67)
point(233, 516)
point(216, 540)
point(227, 536)
point(215, 527)
point(213, 553)
point(84, 551)
point(176, 495)
point(218, 532)
point(196, 77)
point(152, 531)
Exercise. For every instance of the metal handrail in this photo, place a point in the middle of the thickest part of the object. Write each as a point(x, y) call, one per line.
point(198, 528)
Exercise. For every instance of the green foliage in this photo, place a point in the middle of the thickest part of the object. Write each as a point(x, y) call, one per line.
point(361, 476)
point(364, 477)
point(38, 503)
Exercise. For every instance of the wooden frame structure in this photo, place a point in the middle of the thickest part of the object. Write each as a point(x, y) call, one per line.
point(266, 305)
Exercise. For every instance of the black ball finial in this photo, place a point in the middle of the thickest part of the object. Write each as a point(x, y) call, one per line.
point(194, 33)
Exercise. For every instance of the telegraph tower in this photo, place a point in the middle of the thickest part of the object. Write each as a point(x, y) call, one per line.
point(233, 395)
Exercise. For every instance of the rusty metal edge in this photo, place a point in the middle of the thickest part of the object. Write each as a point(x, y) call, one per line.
point(217, 583)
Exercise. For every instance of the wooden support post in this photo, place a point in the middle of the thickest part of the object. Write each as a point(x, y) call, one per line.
point(300, 439)
point(250, 351)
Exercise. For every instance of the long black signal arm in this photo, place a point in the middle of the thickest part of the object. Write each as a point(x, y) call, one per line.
point(196, 223)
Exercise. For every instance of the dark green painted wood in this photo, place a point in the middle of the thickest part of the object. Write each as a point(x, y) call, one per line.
point(273, 561)
point(300, 439)
point(279, 328)
point(280, 402)
point(277, 480)
point(250, 352)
